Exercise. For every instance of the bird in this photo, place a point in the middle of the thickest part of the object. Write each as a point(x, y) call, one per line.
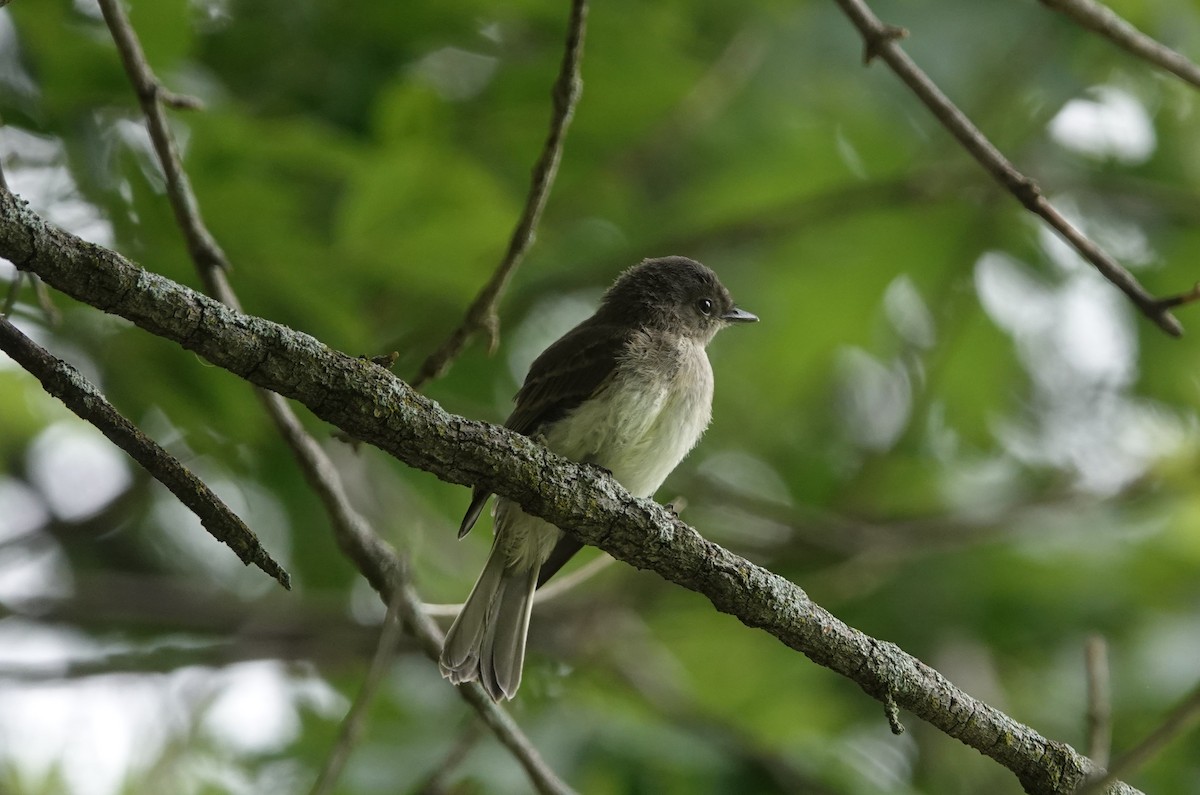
point(628, 390)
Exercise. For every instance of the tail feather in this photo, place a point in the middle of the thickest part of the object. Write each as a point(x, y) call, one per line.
point(487, 641)
point(503, 652)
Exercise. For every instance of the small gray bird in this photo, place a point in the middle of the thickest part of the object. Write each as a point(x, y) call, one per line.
point(630, 390)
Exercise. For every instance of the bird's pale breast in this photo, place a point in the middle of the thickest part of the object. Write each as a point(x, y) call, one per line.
point(648, 416)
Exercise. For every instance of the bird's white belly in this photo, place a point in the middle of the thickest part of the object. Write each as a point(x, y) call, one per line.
point(642, 425)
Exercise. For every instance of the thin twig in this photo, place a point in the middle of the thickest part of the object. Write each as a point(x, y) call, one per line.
point(560, 586)
point(1103, 20)
point(352, 725)
point(880, 41)
point(66, 383)
point(1099, 712)
point(49, 310)
point(1188, 297)
point(1176, 723)
point(373, 557)
point(434, 783)
point(482, 314)
point(14, 290)
point(202, 246)
point(179, 101)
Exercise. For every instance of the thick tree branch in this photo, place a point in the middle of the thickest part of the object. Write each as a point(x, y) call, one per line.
point(880, 42)
point(1101, 19)
point(67, 384)
point(369, 403)
point(482, 315)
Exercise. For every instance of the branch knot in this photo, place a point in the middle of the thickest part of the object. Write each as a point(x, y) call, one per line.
point(880, 38)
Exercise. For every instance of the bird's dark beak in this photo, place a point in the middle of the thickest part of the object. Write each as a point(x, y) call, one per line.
point(736, 315)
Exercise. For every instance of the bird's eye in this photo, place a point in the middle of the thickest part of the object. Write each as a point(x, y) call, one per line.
point(705, 305)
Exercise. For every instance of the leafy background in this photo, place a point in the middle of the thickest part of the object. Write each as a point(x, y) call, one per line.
point(948, 429)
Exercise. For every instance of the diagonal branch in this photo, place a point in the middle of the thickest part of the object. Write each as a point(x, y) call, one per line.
point(482, 315)
point(373, 557)
point(68, 385)
point(369, 403)
point(880, 41)
point(1101, 19)
point(352, 725)
point(1179, 720)
point(202, 246)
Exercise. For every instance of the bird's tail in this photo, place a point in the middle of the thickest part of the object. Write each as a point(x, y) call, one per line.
point(487, 641)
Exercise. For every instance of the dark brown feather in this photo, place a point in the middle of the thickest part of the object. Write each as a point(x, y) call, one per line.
point(567, 373)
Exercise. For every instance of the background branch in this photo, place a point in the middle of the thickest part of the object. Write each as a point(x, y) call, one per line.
point(1099, 713)
point(880, 41)
point(355, 719)
point(1103, 20)
point(371, 404)
point(1176, 723)
point(202, 246)
point(482, 314)
point(78, 394)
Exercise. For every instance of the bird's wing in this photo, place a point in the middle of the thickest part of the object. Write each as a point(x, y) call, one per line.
point(567, 373)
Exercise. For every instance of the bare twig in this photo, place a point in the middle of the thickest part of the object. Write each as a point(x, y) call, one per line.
point(1188, 297)
point(179, 101)
point(14, 290)
point(66, 383)
point(53, 316)
point(202, 246)
point(352, 725)
point(1176, 723)
point(880, 42)
point(373, 557)
point(560, 586)
point(1103, 20)
point(434, 783)
point(40, 293)
point(482, 314)
point(1099, 712)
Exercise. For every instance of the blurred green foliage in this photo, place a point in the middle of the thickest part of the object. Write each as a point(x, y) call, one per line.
point(947, 428)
